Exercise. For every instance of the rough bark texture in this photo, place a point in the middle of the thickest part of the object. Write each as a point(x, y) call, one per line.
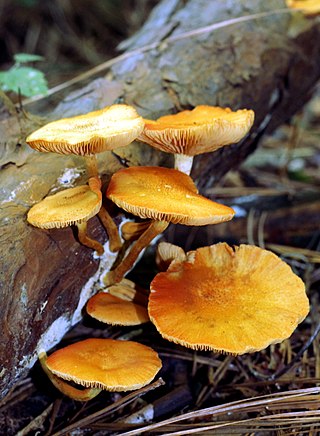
point(268, 64)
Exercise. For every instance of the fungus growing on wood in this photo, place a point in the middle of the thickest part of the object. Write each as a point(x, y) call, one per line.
point(86, 135)
point(98, 364)
point(113, 310)
point(73, 206)
point(201, 130)
point(233, 300)
point(163, 195)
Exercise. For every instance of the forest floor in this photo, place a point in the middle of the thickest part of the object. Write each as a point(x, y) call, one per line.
point(276, 194)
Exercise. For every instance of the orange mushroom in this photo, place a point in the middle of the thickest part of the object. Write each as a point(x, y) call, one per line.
point(102, 364)
point(201, 130)
point(233, 300)
point(163, 195)
point(129, 291)
point(113, 310)
point(86, 135)
point(73, 206)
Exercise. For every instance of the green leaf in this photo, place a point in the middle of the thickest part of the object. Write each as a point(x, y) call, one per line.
point(26, 80)
point(22, 58)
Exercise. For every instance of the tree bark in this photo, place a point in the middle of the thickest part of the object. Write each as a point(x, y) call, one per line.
point(269, 64)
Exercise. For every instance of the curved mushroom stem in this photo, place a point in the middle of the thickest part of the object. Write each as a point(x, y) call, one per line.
point(116, 275)
point(115, 243)
point(92, 165)
point(85, 240)
point(183, 163)
point(94, 183)
point(64, 387)
point(112, 230)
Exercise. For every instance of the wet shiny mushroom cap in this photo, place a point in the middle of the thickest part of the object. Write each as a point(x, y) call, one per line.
point(232, 300)
point(108, 364)
point(164, 194)
point(106, 129)
point(201, 130)
point(67, 207)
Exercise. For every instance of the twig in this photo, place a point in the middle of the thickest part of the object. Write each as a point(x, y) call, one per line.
point(233, 407)
point(111, 408)
point(36, 423)
point(298, 355)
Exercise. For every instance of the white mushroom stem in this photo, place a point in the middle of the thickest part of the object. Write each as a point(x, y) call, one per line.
point(64, 387)
point(183, 163)
point(116, 275)
point(85, 240)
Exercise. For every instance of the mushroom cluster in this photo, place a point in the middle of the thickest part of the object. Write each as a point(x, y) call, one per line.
point(227, 299)
point(85, 135)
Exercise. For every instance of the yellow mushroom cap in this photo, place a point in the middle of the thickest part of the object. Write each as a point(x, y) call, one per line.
point(164, 194)
point(106, 364)
point(115, 311)
point(67, 207)
point(95, 132)
point(230, 300)
point(308, 7)
point(201, 130)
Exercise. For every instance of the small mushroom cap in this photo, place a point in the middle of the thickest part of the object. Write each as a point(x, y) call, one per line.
point(112, 127)
point(230, 300)
point(167, 253)
point(308, 7)
point(164, 194)
point(128, 290)
point(106, 364)
point(115, 311)
point(67, 207)
point(201, 130)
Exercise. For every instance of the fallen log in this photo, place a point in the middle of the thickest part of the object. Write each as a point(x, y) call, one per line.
point(183, 56)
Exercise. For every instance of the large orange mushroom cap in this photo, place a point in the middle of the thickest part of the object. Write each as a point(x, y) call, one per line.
point(164, 194)
point(230, 300)
point(113, 310)
point(106, 364)
point(114, 126)
point(201, 130)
